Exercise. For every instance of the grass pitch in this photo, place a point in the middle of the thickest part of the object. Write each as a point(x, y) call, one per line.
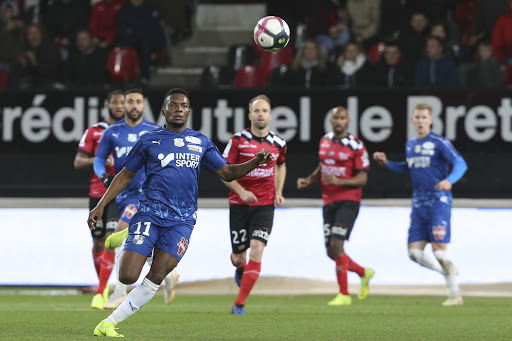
point(25, 317)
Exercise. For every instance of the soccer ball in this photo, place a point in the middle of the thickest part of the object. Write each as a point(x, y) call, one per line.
point(271, 34)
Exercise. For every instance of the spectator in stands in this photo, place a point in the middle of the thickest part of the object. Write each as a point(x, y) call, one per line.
point(352, 69)
point(436, 70)
point(86, 65)
point(103, 21)
point(502, 36)
point(337, 34)
point(11, 36)
point(309, 68)
point(439, 30)
point(364, 20)
point(62, 18)
point(39, 63)
point(390, 71)
point(486, 17)
point(486, 73)
point(463, 15)
point(412, 38)
point(139, 27)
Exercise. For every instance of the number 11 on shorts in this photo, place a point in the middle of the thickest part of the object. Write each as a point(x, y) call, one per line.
point(146, 231)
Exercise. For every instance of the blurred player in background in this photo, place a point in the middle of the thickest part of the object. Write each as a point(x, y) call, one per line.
point(119, 139)
point(171, 156)
point(428, 160)
point(84, 159)
point(343, 171)
point(252, 198)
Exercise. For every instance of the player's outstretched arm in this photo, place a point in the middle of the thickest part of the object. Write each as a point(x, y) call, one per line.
point(230, 172)
point(313, 177)
point(118, 184)
point(380, 158)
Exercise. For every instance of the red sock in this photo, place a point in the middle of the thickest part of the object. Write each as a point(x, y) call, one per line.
point(96, 258)
point(251, 274)
point(341, 273)
point(107, 264)
point(239, 267)
point(354, 267)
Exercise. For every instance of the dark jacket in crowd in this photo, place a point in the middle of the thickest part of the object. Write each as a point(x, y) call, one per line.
point(363, 78)
point(396, 76)
point(485, 74)
point(305, 78)
point(86, 69)
point(440, 73)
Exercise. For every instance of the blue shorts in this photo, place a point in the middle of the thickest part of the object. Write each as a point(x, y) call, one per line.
point(127, 207)
point(146, 234)
point(432, 222)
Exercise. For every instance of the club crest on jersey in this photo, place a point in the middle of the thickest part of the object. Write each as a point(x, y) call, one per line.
point(439, 232)
point(428, 145)
point(178, 142)
point(182, 246)
point(132, 137)
point(417, 148)
point(138, 239)
point(193, 139)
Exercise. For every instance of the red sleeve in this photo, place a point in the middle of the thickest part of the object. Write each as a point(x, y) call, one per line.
point(282, 154)
point(361, 160)
point(231, 151)
point(86, 143)
point(94, 22)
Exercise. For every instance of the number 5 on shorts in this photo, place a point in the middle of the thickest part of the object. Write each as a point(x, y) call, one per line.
point(146, 231)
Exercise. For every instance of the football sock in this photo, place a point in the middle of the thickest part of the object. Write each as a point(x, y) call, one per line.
point(134, 301)
point(249, 278)
point(96, 257)
point(120, 289)
point(342, 264)
point(449, 272)
point(354, 267)
point(425, 260)
point(107, 265)
point(239, 267)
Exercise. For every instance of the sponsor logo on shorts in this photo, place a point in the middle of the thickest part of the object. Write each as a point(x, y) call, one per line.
point(182, 246)
point(261, 234)
point(340, 231)
point(138, 239)
point(439, 232)
point(129, 211)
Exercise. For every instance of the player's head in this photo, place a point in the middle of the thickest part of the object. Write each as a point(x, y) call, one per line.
point(422, 119)
point(176, 108)
point(134, 104)
point(115, 105)
point(259, 112)
point(339, 121)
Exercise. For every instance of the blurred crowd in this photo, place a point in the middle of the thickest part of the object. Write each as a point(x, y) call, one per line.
point(388, 44)
point(67, 43)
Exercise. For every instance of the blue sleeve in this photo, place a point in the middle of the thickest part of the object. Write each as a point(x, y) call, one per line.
point(101, 155)
point(212, 158)
point(137, 157)
point(399, 167)
point(458, 170)
point(448, 150)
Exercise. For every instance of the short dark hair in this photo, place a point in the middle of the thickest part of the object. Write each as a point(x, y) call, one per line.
point(176, 91)
point(439, 41)
point(134, 91)
point(392, 43)
point(112, 94)
point(84, 30)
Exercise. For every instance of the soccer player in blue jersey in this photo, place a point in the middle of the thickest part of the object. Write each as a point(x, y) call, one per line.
point(428, 160)
point(167, 208)
point(119, 139)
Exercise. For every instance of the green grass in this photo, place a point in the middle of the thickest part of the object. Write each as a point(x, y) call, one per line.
point(268, 318)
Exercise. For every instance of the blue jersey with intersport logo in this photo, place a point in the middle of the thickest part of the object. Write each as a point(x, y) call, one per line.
point(172, 162)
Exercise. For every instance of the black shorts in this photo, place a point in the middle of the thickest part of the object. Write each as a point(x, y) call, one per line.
point(249, 222)
point(339, 218)
point(109, 220)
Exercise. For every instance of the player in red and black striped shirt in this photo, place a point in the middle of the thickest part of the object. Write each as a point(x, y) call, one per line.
point(343, 171)
point(252, 198)
point(84, 159)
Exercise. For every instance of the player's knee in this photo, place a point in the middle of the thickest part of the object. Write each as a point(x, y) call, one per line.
point(334, 252)
point(441, 257)
point(415, 255)
point(127, 278)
